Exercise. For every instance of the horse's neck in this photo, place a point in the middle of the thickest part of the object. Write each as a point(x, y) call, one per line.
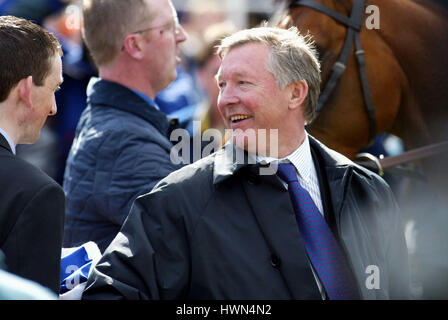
point(417, 33)
point(413, 26)
point(441, 2)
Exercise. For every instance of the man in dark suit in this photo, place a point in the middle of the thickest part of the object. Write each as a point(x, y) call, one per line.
point(290, 219)
point(32, 205)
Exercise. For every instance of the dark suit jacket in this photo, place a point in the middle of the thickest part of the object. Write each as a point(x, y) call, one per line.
point(32, 209)
point(219, 229)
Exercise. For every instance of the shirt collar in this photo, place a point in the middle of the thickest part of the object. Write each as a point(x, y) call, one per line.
point(146, 98)
point(301, 159)
point(104, 93)
point(10, 141)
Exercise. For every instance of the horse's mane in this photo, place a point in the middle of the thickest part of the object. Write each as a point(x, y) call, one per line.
point(441, 2)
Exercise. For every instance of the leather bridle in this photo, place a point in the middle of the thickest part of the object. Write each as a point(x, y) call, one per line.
point(354, 25)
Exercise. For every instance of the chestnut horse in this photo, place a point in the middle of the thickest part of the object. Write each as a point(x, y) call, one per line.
point(406, 76)
point(392, 79)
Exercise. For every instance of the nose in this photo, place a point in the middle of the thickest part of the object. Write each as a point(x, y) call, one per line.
point(182, 35)
point(227, 96)
point(53, 110)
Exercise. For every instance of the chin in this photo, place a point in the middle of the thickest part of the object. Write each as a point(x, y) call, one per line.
point(245, 139)
point(174, 77)
point(169, 80)
point(32, 139)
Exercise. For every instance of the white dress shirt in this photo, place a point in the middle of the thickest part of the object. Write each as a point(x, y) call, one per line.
point(306, 171)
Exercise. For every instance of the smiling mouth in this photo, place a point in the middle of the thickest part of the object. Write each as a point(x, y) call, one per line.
point(238, 118)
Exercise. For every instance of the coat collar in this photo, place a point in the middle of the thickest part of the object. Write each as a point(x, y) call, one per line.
point(338, 169)
point(230, 159)
point(111, 94)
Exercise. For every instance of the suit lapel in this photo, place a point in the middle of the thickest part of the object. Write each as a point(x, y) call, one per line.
point(4, 143)
point(336, 170)
point(335, 173)
point(271, 206)
point(338, 179)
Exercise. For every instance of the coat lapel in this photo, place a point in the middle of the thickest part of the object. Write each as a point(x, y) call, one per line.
point(338, 170)
point(271, 205)
point(228, 161)
point(338, 178)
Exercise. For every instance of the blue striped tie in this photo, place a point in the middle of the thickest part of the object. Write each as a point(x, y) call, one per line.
point(321, 246)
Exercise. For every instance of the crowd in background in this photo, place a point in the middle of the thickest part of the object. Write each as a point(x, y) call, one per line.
point(191, 97)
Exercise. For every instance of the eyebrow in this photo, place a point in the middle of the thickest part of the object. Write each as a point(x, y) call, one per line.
point(59, 83)
point(235, 74)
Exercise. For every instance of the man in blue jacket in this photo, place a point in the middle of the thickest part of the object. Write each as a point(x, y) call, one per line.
point(121, 147)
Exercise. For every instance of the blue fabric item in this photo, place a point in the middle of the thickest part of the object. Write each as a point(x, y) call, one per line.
point(56, 4)
point(75, 269)
point(120, 151)
point(147, 99)
point(179, 94)
point(5, 6)
point(34, 10)
point(320, 243)
point(185, 117)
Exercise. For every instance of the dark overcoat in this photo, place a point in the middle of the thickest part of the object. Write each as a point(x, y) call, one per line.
point(218, 229)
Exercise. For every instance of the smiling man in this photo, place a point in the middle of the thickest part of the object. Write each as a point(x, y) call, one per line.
point(219, 229)
point(251, 99)
point(32, 205)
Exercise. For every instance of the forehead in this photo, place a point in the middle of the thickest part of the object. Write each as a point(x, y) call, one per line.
point(55, 75)
point(160, 9)
point(250, 58)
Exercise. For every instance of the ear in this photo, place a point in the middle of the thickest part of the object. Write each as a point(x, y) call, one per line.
point(133, 46)
point(25, 87)
point(298, 94)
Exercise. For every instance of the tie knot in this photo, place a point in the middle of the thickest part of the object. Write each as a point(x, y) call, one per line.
point(287, 172)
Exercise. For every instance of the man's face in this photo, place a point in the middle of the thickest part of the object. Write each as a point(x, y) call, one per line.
point(43, 101)
point(249, 96)
point(163, 53)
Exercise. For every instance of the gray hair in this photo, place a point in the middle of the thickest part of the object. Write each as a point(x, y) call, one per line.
point(292, 58)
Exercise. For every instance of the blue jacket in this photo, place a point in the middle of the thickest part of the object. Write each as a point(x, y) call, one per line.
point(120, 151)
